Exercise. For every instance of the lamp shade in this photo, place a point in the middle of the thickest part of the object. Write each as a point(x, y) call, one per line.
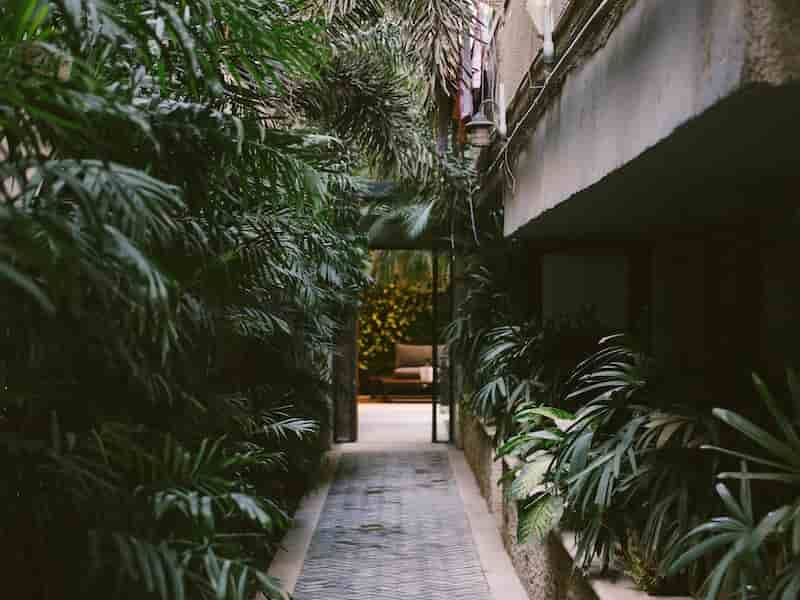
point(480, 130)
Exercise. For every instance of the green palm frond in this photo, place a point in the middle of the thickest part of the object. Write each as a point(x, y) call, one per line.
point(538, 515)
point(755, 552)
point(436, 28)
point(191, 228)
point(159, 569)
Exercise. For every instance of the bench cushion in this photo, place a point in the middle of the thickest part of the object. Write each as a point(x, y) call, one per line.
point(409, 373)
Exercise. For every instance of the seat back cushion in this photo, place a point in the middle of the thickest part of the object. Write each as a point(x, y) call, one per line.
point(415, 355)
point(412, 355)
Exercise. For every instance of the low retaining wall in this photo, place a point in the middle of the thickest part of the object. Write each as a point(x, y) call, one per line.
point(545, 568)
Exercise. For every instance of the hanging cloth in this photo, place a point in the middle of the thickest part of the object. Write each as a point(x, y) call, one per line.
point(479, 44)
point(465, 83)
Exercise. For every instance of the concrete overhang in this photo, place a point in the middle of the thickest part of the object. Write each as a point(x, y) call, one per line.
point(658, 127)
point(738, 160)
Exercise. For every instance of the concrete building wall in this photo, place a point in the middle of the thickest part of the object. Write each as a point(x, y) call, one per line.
point(773, 51)
point(722, 284)
point(345, 373)
point(544, 567)
point(517, 43)
point(664, 64)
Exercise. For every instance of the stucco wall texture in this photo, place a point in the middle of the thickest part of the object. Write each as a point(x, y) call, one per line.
point(479, 454)
point(664, 64)
point(517, 44)
point(544, 568)
point(773, 53)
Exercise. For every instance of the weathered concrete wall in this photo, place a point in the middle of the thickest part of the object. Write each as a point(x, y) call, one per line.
point(544, 568)
point(479, 453)
point(773, 49)
point(518, 43)
point(665, 64)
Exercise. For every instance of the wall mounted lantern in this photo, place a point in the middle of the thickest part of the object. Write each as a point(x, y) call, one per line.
point(480, 129)
point(543, 14)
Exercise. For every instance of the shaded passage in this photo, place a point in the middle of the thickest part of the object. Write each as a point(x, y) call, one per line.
point(393, 527)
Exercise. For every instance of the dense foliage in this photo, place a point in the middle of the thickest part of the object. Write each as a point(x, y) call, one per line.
point(388, 314)
point(510, 357)
point(178, 238)
point(628, 455)
point(613, 465)
point(753, 540)
point(172, 266)
point(409, 267)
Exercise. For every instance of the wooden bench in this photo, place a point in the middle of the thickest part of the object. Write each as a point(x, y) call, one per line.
point(384, 382)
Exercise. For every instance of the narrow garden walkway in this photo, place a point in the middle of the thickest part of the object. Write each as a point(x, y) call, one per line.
point(393, 523)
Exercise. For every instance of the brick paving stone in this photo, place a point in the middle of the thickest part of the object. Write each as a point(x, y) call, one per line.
point(393, 527)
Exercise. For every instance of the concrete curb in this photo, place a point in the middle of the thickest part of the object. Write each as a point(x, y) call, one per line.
point(288, 562)
point(504, 584)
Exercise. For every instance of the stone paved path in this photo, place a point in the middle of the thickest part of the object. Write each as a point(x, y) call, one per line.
point(393, 527)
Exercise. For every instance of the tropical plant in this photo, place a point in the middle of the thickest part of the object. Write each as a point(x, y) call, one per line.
point(623, 464)
point(408, 267)
point(486, 304)
point(754, 545)
point(539, 432)
point(526, 363)
point(435, 30)
point(615, 471)
point(178, 238)
point(388, 314)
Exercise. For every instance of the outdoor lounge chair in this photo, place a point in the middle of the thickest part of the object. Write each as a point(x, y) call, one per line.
point(413, 372)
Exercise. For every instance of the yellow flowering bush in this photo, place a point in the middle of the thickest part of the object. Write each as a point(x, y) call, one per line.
point(391, 313)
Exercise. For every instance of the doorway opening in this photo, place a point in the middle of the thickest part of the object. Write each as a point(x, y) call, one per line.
point(401, 356)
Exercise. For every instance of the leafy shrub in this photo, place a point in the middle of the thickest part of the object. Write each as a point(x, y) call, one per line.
point(527, 363)
point(754, 543)
point(509, 358)
point(485, 306)
point(178, 240)
point(391, 313)
point(618, 467)
point(171, 272)
point(539, 432)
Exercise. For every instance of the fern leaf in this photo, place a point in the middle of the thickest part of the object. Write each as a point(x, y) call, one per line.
point(539, 516)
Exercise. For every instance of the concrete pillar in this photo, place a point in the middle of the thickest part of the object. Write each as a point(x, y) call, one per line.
point(345, 394)
point(460, 291)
